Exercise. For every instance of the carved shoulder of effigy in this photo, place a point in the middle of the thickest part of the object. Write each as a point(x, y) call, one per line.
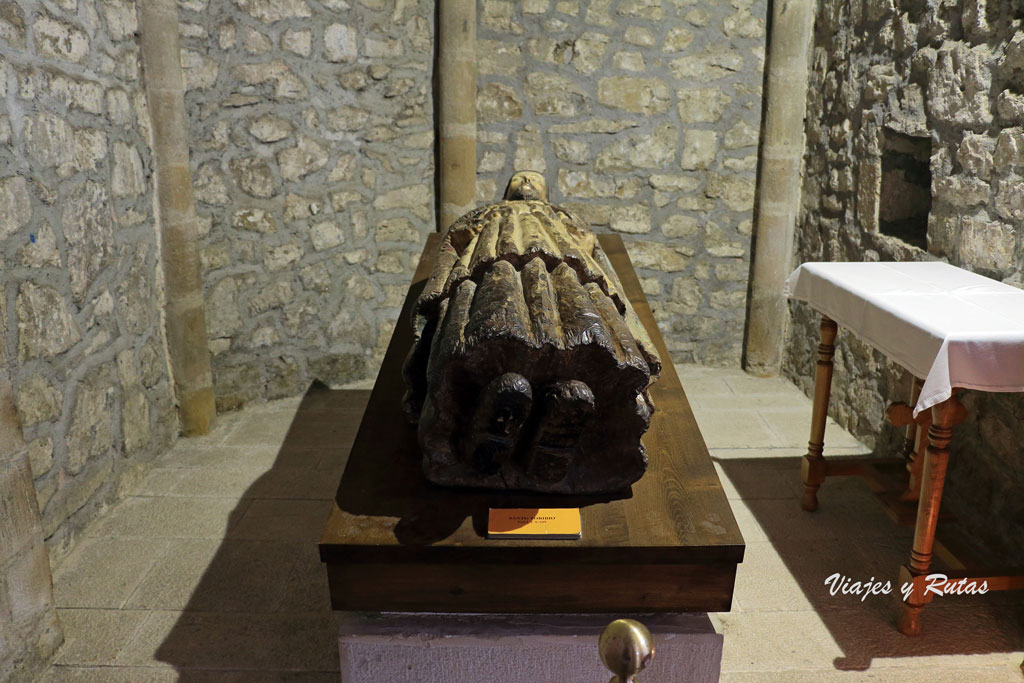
point(530, 369)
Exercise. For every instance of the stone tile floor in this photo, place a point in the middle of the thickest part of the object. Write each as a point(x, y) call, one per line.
point(208, 570)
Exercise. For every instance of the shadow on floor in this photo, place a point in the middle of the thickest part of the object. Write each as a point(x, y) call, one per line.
point(261, 611)
point(850, 535)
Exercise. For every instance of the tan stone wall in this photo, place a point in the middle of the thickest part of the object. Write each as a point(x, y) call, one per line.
point(81, 337)
point(312, 151)
point(80, 280)
point(311, 129)
point(644, 115)
point(953, 75)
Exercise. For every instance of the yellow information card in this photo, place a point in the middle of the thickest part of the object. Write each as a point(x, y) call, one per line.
point(549, 523)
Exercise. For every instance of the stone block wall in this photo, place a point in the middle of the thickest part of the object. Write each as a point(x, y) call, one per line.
point(80, 287)
point(900, 91)
point(311, 127)
point(312, 146)
point(644, 115)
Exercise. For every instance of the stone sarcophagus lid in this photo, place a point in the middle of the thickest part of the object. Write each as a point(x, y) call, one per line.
point(530, 369)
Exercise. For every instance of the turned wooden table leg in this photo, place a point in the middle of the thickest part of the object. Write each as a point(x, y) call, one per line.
point(900, 414)
point(933, 476)
point(910, 436)
point(813, 469)
point(915, 467)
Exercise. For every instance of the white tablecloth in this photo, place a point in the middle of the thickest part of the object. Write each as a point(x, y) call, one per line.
point(949, 326)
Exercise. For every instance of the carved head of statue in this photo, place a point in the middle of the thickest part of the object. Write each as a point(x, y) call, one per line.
point(527, 185)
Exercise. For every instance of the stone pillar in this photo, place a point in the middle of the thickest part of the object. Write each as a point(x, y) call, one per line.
point(175, 212)
point(29, 629)
point(456, 111)
point(778, 182)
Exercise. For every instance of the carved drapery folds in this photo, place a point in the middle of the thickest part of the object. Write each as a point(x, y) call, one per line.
point(530, 369)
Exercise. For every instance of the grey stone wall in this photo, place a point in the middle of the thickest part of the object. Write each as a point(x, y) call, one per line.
point(644, 115)
point(80, 287)
point(311, 129)
point(944, 77)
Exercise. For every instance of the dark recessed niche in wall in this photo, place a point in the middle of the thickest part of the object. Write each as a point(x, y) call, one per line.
point(906, 188)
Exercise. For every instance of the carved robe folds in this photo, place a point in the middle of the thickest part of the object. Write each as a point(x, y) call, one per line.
point(530, 369)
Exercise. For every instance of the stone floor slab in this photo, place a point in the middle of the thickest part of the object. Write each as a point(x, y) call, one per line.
point(785, 520)
point(223, 425)
point(260, 458)
point(792, 575)
point(108, 674)
point(765, 583)
point(282, 520)
point(735, 428)
point(263, 429)
point(957, 637)
point(239, 576)
point(159, 481)
point(748, 523)
point(298, 483)
point(776, 641)
point(217, 482)
point(764, 478)
point(303, 431)
point(88, 577)
point(794, 454)
point(700, 381)
point(792, 428)
point(755, 401)
point(234, 641)
point(743, 384)
point(170, 517)
point(928, 674)
point(175, 575)
point(96, 636)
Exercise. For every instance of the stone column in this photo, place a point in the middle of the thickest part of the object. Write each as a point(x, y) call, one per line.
point(175, 213)
point(29, 629)
point(778, 182)
point(456, 111)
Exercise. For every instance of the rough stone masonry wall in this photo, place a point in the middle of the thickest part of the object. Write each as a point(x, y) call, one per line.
point(644, 115)
point(80, 292)
point(311, 129)
point(953, 74)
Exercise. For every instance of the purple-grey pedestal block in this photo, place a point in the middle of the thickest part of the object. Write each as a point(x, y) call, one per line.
point(397, 647)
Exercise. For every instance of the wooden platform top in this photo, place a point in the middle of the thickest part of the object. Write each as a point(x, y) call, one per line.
point(386, 512)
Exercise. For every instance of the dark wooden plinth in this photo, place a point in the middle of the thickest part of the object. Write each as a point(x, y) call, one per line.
point(393, 541)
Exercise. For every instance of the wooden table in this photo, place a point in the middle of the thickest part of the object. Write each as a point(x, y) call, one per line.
point(950, 329)
point(395, 542)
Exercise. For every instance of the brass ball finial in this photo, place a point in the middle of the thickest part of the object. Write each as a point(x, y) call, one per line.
point(626, 648)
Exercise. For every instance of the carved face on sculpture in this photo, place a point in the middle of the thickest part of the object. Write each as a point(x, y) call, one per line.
point(527, 185)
